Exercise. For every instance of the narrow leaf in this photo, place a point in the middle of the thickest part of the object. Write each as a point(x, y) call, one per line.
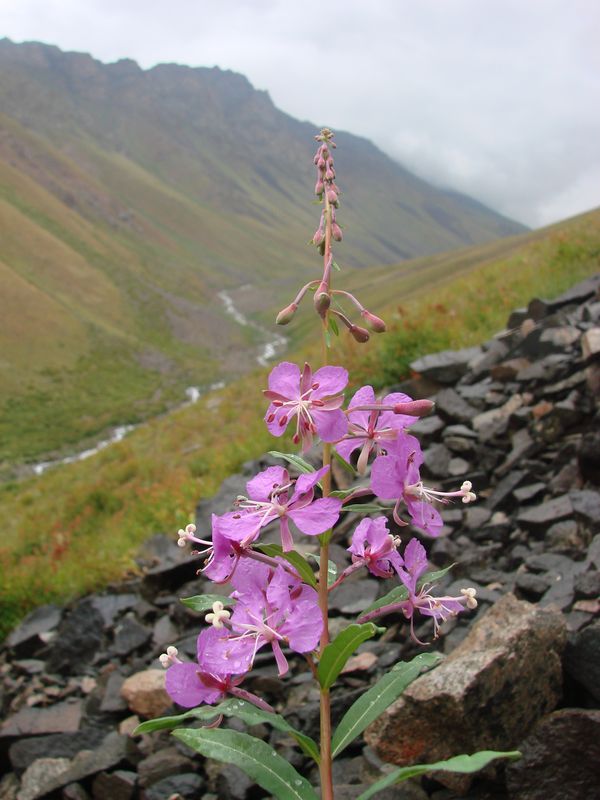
point(331, 567)
point(204, 602)
point(296, 461)
point(463, 764)
point(165, 723)
point(333, 326)
point(327, 336)
point(365, 508)
point(255, 757)
point(337, 653)
point(297, 561)
point(376, 699)
point(400, 593)
point(252, 715)
point(336, 266)
point(343, 463)
point(341, 493)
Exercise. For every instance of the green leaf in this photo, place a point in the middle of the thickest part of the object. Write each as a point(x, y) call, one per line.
point(204, 602)
point(333, 326)
point(331, 567)
point(337, 653)
point(341, 493)
point(295, 460)
point(327, 338)
point(376, 699)
point(463, 764)
point(232, 707)
point(365, 508)
point(336, 266)
point(294, 558)
point(255, 757)
point(343, 463)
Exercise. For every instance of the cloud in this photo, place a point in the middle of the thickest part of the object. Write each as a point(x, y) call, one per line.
point(496, 99)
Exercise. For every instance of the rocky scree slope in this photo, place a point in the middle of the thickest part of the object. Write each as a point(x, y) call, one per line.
point(518, 416)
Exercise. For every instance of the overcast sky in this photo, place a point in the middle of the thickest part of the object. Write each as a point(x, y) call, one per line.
point(496, 98)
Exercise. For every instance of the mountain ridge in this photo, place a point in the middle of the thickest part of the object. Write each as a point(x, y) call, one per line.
point(129, 198)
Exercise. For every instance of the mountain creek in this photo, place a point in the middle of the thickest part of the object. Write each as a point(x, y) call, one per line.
point(270, 346)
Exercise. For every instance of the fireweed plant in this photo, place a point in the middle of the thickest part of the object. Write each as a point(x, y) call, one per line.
point(277, 601)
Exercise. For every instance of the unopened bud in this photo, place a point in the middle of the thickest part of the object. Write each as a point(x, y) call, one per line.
point(318, 237)
point(332, 196)
point(329, 174)
point(321, 164)
point(375, 323)
point(414, 408)
point(360, 334)
point(322, 300)
point(286, 314)
point(336, 232)
point(319, 186)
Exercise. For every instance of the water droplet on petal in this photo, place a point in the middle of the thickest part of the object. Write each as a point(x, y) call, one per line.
point(274, 753)
point(297, 782)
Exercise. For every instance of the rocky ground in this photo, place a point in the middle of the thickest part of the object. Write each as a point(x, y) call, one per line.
point(518, 417)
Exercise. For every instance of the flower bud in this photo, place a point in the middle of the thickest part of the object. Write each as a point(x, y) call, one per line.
point(318, 237)
point(319, 187)
point(286, 314)
point(414, 408)
point(336, 232)
point(332, 196)
point(360, 334)
point(322, 300)
point(375, 323)
point(329, 174)
point(321, 164)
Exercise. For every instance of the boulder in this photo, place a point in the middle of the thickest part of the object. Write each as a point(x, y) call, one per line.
point(145, 694)
point(504, 676)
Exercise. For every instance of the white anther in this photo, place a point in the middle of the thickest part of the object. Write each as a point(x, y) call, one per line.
point(172, 651)
point(190, 529)
point(468, 495)
point(218, 615)
point(469, 595)
point(182, 541)
point(164, 660)
point(396, 541)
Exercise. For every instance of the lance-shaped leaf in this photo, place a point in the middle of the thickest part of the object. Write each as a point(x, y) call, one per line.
point(331, 567)
point(400, 593)
point(365, 508)
point(343, 463)
point(337, 653)
point(463, 764)
point(296, 461)
point(204, 602)
point(376, 699)
point(297, 561)
point(233, 707)
point(256, 758)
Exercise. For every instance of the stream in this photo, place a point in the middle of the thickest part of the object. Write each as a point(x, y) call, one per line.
point(273, 345)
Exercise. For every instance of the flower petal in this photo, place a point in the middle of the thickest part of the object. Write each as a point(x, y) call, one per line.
point(331, 425)
point(330, 380)
point(386, 478)
point(285, 379)
point(184, 686)
point(318, 516)
point(261, 486)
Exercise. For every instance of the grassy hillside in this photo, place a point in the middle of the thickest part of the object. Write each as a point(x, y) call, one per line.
point(76, 527)
point(130, 198)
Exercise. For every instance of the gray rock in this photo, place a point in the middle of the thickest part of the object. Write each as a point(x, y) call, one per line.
point(452, 407)
point(446, 367)
point(582, 659)
point(59, 718)
point(129, 635)
point(233, 783)
point(503, 490)
point(587, 584)
point(118, 785)
point(352, 597)
point(543, 515)
point(32, 634)
point(25, 751)
point(111, 606)
point(78, 639)
point(42, 777)
point(586, 505)
point(162, 764)
point(436, 459)
point(187, 786)
point(112, 702)
point(497, 683)
point(561, 759)
point(166, 565)
point(526, 493)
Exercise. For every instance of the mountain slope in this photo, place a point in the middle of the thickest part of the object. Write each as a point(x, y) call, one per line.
point(130, 198)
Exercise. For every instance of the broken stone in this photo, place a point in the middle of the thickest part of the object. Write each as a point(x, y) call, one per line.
point(145, 694)
point(561, 758)
point(32, 634)
point(446, 367)
point(59, 718)
point(498, 682)
point(582, 659)
point(543, 515)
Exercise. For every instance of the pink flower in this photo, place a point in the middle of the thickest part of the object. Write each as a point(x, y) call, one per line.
point(273, 496)
point(375, 547)
point(372, 430)
point(314, 400)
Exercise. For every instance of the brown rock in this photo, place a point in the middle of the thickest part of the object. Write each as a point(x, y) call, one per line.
point(145, 694)
point(59, 718)
point(162, 764)
point(487, 694)
point(561, 758)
